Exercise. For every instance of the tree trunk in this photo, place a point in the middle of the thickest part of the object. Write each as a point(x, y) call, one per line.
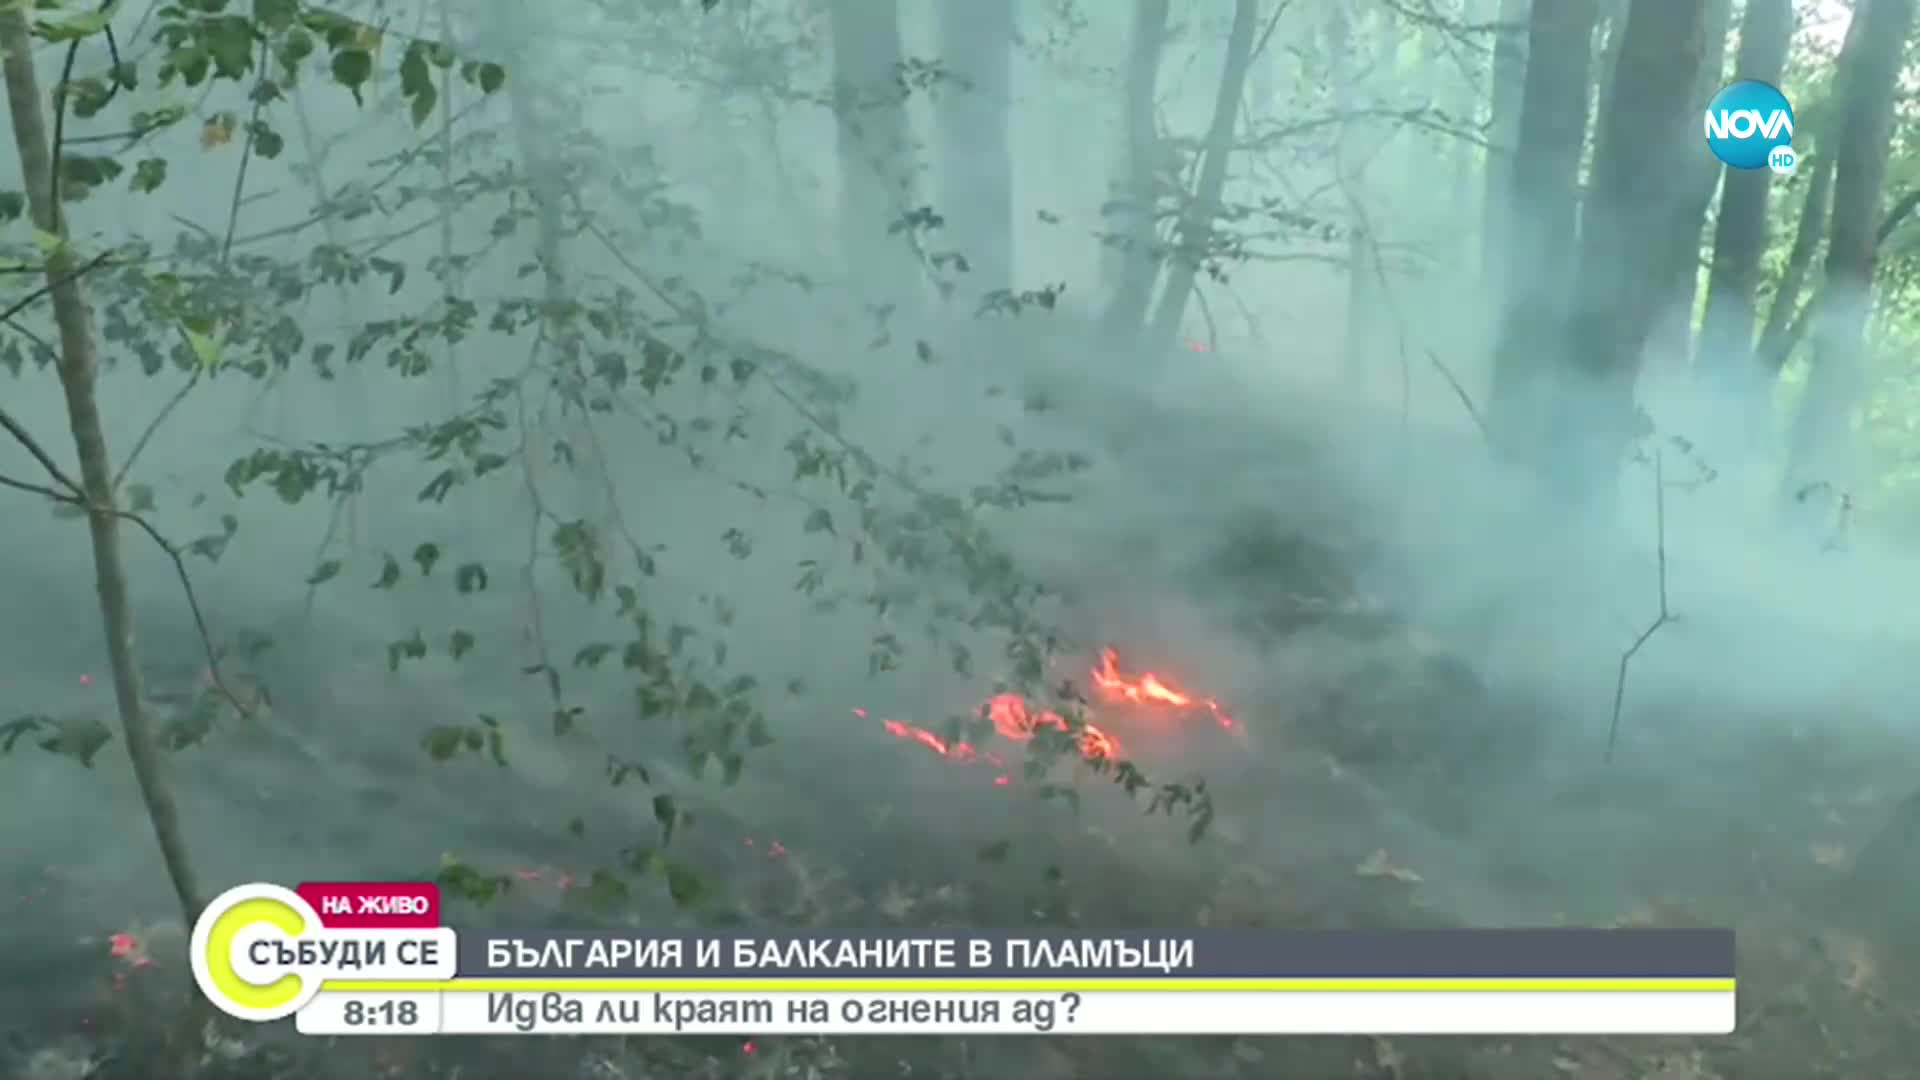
point(1778, 336)
point(1194, 236)
point(876, 184)
point(1630, 206)
point(977, 42)
point(1821, 451)
point(1465, 155)
point(1545, 198)
point(1607, 43)
point(78, 367)
point(1700, 175)
point(1503, 139)
point(1740, 234)
point(1350, 172)
point(1781, 334)
point(1138, 239)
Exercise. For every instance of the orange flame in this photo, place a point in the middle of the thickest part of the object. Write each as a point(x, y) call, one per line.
point(1150, 689)
point(1016, 720)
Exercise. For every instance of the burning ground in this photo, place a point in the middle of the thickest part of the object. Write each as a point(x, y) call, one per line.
point(1146, 703)
point(1372, 756)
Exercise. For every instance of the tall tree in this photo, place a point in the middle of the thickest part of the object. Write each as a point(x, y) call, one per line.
point(1786, 317)
point(1349, 163)
point(1138, 238)
point(1194, 232)
point(1699, 179)
point(1544, 200)
point(78, 369)
point(1740, 235)
point(1781, 332)
point(1504, 103)
point(1631, 205)
point(876, 181)
point(976, 41)
point(1822, 450)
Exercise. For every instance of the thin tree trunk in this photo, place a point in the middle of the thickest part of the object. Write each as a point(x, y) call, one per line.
point(1607, 43)
point(1350, 173)
point(1700, 175)
point(1777, 337)
point(869, 105)
point(1740, 233)
point(1822, 450)
point(79, 370)
point(977, 159)
point(1504, 105)
point(1195, 233)
point(1465, 154)
point(1544, 204)
point(1631, 205)
point(1138, 240)
point(1785, 317)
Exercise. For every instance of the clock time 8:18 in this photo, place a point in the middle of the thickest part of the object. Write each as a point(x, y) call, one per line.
point(383, 1013)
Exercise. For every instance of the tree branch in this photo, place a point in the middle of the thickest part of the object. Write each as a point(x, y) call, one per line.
point(69, 493)
point(1665, 616)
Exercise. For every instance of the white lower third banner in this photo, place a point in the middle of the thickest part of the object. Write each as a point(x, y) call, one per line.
point(1582, 1007)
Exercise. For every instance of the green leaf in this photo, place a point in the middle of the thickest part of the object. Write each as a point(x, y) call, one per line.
point(267, 142)
point(275, 15)
point(295, 48)
point(351, 69)
point(459, 643)
point(819, 521)
point(470, 578)
point(79, 738)
point(410, 648)
point(667, 815)
point(492, 77)
point(75, 27)
point(426, 556)
point(416, 82)
point(396, 273)
point(996, 852)
point(207, 349)
point(605, 891)
point(228, 41)
point(684, 885)
point(469, 884)
point(149, 175)
point(444, 741)
point(389, 573)
point(324, 573)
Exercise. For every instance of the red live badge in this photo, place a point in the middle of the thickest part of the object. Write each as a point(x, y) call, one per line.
point(374, 905)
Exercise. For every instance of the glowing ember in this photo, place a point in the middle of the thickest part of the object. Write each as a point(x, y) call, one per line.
point(130, 950)
point(1016, 720)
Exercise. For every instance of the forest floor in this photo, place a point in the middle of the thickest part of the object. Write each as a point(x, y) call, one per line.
point(1304, 839)
point(1382, 782)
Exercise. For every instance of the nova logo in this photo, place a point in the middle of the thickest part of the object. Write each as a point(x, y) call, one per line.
point(1747, 122)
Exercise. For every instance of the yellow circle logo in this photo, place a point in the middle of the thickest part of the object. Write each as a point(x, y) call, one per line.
point(242, 924)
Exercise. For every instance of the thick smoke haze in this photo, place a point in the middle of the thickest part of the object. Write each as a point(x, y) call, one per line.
point(725, 413)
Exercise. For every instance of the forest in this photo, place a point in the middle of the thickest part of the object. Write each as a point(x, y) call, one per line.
point(920, 463)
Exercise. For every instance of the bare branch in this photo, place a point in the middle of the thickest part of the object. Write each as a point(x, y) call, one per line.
point(1665, 616)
